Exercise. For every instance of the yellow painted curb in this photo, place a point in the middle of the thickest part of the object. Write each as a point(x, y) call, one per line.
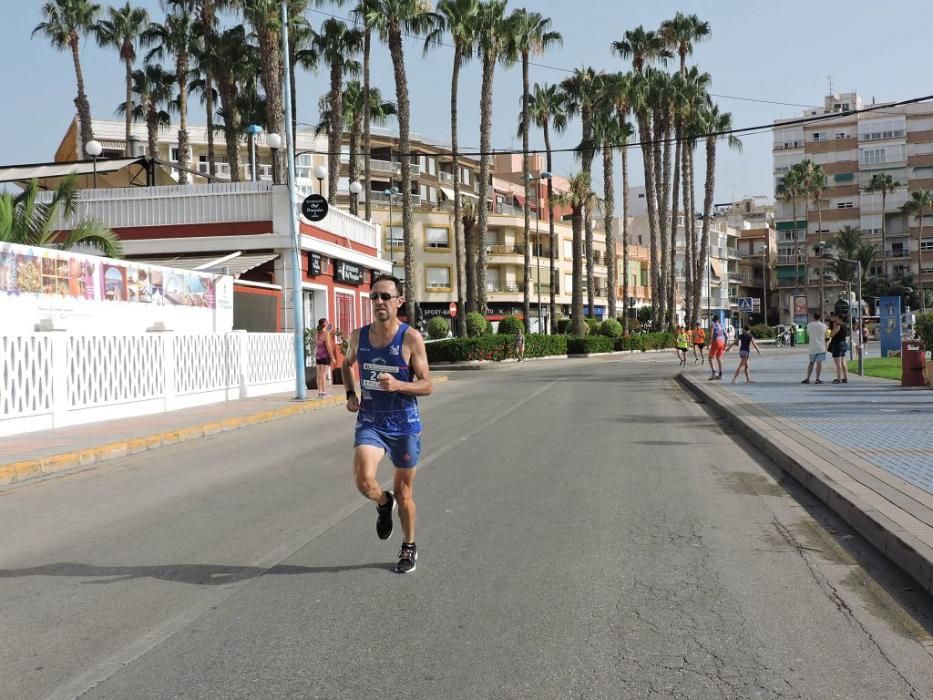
point(17, 472)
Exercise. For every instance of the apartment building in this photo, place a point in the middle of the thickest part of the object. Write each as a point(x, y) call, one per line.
point(852, 148)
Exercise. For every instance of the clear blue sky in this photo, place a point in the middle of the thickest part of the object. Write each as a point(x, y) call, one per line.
point(776, 51)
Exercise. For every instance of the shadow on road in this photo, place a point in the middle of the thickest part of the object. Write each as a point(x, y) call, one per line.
point(195, 574)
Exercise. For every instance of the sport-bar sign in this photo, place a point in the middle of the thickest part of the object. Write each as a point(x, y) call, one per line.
point(348, 273)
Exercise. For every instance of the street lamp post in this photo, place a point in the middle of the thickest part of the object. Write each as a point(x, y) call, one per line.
point(355, 189)
point(543, 175)
point(301, 391)
point(765, 278)
point(320, 172)
point(390, 192)
point(94, 149)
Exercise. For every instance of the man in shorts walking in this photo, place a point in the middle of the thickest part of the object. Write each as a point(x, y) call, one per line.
point(816, 329)
point(394, 372)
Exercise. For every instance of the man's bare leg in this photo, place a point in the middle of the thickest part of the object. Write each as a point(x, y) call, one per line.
point(404, 483)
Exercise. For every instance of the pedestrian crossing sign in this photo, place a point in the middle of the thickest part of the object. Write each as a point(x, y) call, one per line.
point(745, 304)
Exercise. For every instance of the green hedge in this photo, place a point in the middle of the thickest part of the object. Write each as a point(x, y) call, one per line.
point(589, 344)
point(476, 324)
point(495, 347)
point(761, 330)
point(924, 329)
point(610, 328)
point(510, 325)
point(438, 328)
point(645, 341)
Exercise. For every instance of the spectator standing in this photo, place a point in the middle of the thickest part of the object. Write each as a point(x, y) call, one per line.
point(816, 329)
point(838, 347)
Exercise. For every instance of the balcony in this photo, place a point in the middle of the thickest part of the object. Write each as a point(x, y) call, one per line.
point(396, 198)
point(897, 253)
point(505, 287)
point(391, 168)
point(444, 176)
point(499, 249)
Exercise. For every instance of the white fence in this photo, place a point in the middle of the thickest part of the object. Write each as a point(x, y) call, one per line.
point(51, 380)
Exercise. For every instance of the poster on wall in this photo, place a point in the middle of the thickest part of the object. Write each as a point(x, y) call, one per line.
point(800, 309)
point(114, 282)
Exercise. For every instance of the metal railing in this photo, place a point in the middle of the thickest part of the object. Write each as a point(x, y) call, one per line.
point(444, 176)
point(505, 287)
point(499, 249)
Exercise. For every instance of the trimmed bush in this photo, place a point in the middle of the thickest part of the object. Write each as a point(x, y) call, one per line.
point(592, 325)
point(494, 347)
point(610, 328)
point(476, 324)
point(588, 345)
point(761, 330)
point(563, 325)
point(924, 329)
point(510, 325)
point(438, 327)
point(644, 341)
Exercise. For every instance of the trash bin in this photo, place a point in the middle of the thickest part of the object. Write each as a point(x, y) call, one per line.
point(802, 337)
point(913, 363)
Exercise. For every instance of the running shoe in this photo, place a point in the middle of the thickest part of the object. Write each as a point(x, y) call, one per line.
point(407, 556)
point(384, 517)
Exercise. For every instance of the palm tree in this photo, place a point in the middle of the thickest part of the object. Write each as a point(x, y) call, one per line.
point(546, 109)
point(392, 18)
point(301, 53)
point(353, 111)
point(468, 219)
point(883, 183)
point(847, 241)
point(607, 134)
point(580, 97)
point(459, 19)
point(715, 124)
point(176, 37)
point(64, 21)
point(364, 9)
point(266, 21)
point(26, 221)
point(337, 44)
point(919, 204)
point(233, 63)
point(492, 30)
point(814, 182)
point(662, 101)
point(789, 189)
point(155, 90)
point(578, 197)
point(123, 30)
point(644, 46)
point(532, 35)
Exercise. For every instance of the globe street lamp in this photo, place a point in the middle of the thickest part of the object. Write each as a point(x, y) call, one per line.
point(355, 189)
point(320, 172)
point(252, 131)
point(94, 149)
point(544, 175)
point(274, 141)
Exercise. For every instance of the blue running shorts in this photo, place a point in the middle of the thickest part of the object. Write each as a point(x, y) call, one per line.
point(404, 450)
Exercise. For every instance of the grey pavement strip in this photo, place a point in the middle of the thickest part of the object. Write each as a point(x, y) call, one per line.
point(895, 520)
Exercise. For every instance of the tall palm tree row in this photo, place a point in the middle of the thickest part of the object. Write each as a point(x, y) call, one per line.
point(546, 108)
point(459, 19)
point(813, 178)
point(154, 90)
point(63, 23)
point(578, 196)
point(920, 205)
point(883, 183)
point(532, 35)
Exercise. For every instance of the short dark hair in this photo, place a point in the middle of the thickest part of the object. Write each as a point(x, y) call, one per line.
point(817, 315)
point(390, 278)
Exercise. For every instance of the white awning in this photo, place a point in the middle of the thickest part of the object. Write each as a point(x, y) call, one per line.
point(218, 265)
point(449, 193)
point(19, 173)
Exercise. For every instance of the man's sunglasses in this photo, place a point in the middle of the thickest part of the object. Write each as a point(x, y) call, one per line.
point(385, 296)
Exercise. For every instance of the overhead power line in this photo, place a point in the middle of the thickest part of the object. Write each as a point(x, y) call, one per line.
point(746, 130)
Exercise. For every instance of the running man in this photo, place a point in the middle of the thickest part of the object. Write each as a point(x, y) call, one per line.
point(746, 342)
point(682, 340)
point(699, 342)
point(717, 345)
point(394, 371)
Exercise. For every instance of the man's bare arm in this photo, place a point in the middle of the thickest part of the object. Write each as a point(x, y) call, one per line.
point(418, 362)
point(349, 360)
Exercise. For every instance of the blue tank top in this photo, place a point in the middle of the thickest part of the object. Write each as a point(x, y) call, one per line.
point(390, 412)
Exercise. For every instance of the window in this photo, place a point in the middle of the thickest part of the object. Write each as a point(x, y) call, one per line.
point(437, 237)
point(432, 166)
point(818, 136)
point(424, 193)
point(399, 272)
point(926, 244)
point(423, 162)
point(841, 135)
point(437, 277)
point(568, 250)
point(568, 283)
point(432, 193)
point(843, 205)
point(465, 176)
point(394, 235)
point(872, 156)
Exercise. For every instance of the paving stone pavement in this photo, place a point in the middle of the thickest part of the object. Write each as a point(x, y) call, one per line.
point(883, 423)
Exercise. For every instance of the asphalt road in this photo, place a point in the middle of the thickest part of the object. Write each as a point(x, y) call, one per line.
point(585, 530)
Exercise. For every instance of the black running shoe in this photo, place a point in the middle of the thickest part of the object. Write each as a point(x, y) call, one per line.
point(384, 517)
point(407, 556)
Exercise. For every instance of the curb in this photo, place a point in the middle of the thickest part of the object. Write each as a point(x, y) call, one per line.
point(901, 547)
point(487, 365)
point(18, 472)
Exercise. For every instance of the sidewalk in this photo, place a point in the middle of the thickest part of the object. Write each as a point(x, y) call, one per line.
point(864, 448)
point(35, 454)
